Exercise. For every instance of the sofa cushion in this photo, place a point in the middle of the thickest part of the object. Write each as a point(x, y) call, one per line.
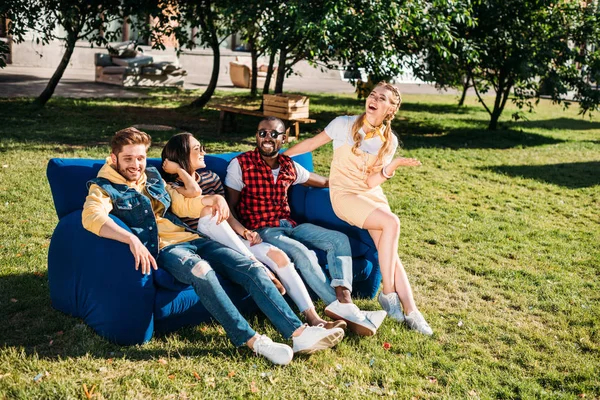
point(102, 60)
point(165, 280)
point(138, 61)
point(166, 66)
point(151, 70)
point(119, 70)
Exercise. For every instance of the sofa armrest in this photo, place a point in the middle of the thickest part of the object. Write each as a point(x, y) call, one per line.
point(94, 278)
point(318, 210)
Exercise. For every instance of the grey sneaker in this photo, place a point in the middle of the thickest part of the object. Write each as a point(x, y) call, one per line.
point(277, 353)
point(415, 321)
point(391, 304)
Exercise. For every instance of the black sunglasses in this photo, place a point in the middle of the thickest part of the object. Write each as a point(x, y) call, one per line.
point(273, 134)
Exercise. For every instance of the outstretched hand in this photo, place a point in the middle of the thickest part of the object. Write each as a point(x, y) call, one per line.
point(142, 256)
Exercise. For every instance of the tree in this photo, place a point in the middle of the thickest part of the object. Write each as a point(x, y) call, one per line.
point(384, 37)
point(249, 21)
point(182, 18)
point(9, 10)
point(80, 20)
point(520, 43)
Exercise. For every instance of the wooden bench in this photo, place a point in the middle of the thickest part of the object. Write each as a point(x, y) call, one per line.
point(228, 115)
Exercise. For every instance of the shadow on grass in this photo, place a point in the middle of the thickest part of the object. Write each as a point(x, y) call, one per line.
point(574, 124)
point(30, 323)
point(435, 108)
point(569, 175)
point(73, 122)
point(431, 136)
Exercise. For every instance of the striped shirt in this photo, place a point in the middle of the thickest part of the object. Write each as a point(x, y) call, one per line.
point(209, 183)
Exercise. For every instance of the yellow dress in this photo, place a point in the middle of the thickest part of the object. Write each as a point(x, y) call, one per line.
point(352, 200)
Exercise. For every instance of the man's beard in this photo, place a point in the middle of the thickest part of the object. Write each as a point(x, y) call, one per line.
point(268, 154)
point(123, 172)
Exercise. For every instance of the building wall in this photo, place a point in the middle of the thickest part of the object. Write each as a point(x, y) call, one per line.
point(196, 62)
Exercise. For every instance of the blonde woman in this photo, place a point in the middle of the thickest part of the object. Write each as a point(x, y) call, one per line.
point(363, 158)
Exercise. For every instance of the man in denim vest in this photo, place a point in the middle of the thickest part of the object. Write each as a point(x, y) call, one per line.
point(140, 198)
point(257, 185)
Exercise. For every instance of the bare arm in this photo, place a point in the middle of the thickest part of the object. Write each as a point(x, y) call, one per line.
point(233, 199)
point(191, 187)
point(251, 236)
point(377, 178)
point(308, 145)
point(316, 180)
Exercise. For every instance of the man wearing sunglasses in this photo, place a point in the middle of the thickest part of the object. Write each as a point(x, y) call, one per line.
point(257, 185)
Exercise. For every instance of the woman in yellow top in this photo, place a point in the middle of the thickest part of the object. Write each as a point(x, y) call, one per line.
point(363, 158)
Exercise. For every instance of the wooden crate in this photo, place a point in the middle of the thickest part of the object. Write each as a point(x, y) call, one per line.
point(286, 106)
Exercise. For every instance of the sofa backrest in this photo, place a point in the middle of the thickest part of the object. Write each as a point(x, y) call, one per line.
point(68, 177)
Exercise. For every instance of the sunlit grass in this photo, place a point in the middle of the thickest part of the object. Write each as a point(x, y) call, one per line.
point(500, 234)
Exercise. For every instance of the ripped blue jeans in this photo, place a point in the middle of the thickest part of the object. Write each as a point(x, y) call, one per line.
point(294, 241)
point(195, 263)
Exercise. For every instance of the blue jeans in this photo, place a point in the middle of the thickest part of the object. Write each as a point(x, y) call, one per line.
point(180, 260)
point(293, 242)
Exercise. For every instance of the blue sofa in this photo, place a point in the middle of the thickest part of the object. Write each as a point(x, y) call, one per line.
point(94, 279)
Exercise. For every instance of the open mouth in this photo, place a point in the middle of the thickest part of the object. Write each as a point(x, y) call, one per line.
point(268, 146)
point(372, 107)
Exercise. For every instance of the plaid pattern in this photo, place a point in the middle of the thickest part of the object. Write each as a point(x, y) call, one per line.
point(210, 183)
point(263, 203)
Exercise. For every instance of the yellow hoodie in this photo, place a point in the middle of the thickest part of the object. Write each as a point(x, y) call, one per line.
point(98, 205)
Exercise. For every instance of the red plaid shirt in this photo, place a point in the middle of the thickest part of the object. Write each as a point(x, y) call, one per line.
point(263, 203)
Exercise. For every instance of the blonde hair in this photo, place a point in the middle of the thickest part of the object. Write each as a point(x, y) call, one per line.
point(386, 148)
point(128, 136)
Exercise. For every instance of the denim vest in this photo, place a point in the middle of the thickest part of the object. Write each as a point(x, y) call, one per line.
point(135, 208)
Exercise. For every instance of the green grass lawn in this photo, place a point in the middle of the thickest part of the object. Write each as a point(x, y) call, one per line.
point(500, 238)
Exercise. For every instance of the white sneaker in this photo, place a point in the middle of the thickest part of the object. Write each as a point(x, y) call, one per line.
point(391, 303)
point(376, 317)
point(356, 319)
point(415, 321)
point(277, 353)
point(315, 338)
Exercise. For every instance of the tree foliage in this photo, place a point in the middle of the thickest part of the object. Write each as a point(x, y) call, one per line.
point(515, 44)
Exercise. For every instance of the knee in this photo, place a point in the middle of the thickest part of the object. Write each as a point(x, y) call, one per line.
point(279, 257)
point(207, 210)
point(201, 269)
point(392, 223)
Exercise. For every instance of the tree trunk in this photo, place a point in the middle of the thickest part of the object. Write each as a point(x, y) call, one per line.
point(208, 26)
point(268, 77)
point(466, 87)
point(281, 70)
point(501, 98)
point(64, 62)
point(254, 55)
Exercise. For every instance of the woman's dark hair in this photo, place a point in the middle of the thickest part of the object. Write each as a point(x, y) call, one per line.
point(177, 150)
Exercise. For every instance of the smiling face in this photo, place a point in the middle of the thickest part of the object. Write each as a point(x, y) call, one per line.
point(380, 105)
point(197, 153)
point(268, 146)
point(130, 162)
